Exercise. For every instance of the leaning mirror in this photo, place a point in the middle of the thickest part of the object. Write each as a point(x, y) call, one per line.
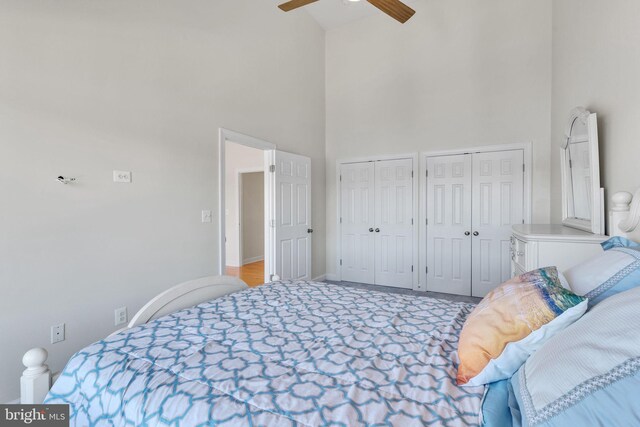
point(582, 197)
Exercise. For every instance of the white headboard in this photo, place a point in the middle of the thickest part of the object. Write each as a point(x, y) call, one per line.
point(624, 215)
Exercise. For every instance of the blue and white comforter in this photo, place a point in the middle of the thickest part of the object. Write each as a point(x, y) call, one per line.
point(284, 354)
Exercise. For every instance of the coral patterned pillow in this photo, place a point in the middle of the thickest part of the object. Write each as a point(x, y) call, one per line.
point(512, 322)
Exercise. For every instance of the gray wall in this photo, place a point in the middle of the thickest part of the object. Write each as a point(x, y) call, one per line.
point(459, 74)
point(90, 86)
point(596, 64)
point(252, 216)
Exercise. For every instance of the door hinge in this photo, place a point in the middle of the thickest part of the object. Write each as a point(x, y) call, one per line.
point(340, 220)
point(426, 270)
point(411, 174)
point(426, 221)
point(340, 178)
point(570, 164)
point(523, 167)
point(272, 168)
point(340, 262)
point(427, 173)
point(412, 268)
point(411, 221)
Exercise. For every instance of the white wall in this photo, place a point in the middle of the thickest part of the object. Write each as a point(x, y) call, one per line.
point(252, 217)
point(596, 64)
point(90, 86)
point(460, 73)
point(238, 158)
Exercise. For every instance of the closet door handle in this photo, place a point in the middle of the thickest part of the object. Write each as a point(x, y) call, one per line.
point(467, 233)
point(377, 230)
point(475, 233)
point(371, 230)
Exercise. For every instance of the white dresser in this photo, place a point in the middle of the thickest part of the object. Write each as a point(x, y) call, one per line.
point(536, 246)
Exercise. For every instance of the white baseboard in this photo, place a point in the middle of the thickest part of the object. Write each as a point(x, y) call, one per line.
point(252, 260)
point(320, 278)
point(333, 277)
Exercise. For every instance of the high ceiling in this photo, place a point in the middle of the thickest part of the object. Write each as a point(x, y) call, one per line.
point(334, 13)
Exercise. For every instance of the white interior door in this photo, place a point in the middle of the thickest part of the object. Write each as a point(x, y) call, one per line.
point(498, 196)
point(449, 224)
point(357, 218)
point(292, 236)
point(394, 223)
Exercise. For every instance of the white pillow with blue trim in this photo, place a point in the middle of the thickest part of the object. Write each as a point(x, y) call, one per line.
point(586, 375)
point(615, 270)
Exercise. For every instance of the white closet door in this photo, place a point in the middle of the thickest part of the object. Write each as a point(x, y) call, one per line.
point(393, 227)
point(449, 224)
point(293, 216)
point(358, 222)
point(498, 196)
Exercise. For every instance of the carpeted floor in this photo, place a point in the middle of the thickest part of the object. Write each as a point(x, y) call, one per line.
point(448, 297)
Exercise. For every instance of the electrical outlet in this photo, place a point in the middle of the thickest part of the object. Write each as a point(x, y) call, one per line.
point(122, 176)
point(57, 333)
point(121, 316)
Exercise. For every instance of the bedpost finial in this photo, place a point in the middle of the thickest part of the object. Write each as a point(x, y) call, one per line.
point(621, 201)
point(36, 379)
point(34, 360)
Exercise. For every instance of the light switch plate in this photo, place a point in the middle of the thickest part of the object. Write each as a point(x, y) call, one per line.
point(122, 176)
point(206, 216)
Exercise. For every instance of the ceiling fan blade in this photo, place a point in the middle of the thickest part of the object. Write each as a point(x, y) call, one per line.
point(294, 4)
point(394, 8)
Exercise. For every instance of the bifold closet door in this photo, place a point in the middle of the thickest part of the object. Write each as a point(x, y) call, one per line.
point(498, 196)
point(394, 223)
point(449, 186)
point(357, 192)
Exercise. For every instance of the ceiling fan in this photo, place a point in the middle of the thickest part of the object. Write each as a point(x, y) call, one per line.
point(394, 8)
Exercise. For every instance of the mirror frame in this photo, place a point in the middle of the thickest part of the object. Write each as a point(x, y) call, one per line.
point(596, 224)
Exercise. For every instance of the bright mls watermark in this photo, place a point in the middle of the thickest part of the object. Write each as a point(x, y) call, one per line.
point(34, 415)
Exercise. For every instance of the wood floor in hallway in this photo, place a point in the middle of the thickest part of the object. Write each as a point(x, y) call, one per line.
point(252, 274)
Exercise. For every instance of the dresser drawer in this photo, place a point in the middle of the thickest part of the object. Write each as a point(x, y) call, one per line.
point(538, 246)
point(519, 253)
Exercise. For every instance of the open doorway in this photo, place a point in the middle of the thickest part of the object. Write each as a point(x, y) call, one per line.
point(286, 224)
point(245, 213)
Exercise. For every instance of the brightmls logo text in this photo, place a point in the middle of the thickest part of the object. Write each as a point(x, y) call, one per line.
point(34, 415)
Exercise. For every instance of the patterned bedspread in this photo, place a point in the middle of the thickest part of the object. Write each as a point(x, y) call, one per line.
point(284, 354)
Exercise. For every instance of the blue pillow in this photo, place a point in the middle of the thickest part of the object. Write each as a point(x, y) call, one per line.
point(495, 405)
point(586, 375)
point(619, 242)
point(615, 270)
